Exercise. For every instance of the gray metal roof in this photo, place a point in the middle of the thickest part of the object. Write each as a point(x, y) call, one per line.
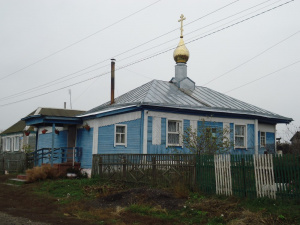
point(166, 94)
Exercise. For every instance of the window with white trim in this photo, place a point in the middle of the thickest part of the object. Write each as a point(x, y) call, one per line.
point(121, 134)
point(240, 136)
point(211, 131)
point(262, 139)
point(16, 143)
point(8, 144)
point(174, 131)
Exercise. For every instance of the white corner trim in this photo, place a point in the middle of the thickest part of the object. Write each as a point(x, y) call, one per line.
point(145, 132)
point(37, 111)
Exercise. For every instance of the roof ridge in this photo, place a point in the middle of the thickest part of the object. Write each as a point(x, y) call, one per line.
point(148, 91)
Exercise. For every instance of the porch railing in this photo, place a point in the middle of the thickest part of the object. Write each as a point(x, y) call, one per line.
point(58, 155)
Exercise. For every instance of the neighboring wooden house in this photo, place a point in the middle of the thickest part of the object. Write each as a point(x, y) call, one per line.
point(151, 119)
point(14, 138)
point(20, 137)
point(295, 140)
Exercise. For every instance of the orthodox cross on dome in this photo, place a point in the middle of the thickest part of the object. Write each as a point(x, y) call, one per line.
point(182, 18)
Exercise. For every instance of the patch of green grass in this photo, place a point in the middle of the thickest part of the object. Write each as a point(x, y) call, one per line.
point(285, 210)
point(67, 190)
point(184, 216)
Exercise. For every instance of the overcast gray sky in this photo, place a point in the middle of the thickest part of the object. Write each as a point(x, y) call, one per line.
point(47, 46)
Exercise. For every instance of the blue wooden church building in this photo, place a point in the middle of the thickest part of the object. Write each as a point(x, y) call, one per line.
point(152, 117)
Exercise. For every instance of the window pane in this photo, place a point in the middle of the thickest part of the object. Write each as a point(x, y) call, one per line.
point(239, 130)
point(173, 138)
point(16, 143)
point(123, 138)
point(118, 138)
point(239, 141)
point(7, 143)
point(172, 126)
point(120, 129)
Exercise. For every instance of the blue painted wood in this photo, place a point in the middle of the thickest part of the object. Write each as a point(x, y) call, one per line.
point(149, 129)
point(270, 142)
point(60, 140)
point(106, 137)
point(260, 149)
point(149, 133)
point(163, 131)
point(85, 141)
point(186, 125)
point(142, 131)
point(45, 141)
point(250, 139)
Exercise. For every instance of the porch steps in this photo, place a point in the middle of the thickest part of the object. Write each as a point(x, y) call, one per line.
point(17, 180)
point(22, 177)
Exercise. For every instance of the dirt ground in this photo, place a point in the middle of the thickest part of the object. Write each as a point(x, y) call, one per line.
point(19, 206)
point(153, 197)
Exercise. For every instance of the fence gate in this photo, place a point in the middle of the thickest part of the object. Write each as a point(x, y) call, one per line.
point(12, 162)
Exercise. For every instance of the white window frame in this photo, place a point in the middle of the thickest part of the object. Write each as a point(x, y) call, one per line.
point(265, 139)
point(16, 144)
point(179, 131)
point(115, 134)
point(245, 136)
point(8, 144)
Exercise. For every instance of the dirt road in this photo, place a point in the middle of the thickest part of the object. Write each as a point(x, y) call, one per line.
point(18, 205)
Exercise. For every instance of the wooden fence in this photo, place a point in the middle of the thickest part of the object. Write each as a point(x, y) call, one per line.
point(12, 162)
point(151, 169)
point(250, 176)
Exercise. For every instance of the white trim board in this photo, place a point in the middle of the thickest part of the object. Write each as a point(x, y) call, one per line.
point(199, 118)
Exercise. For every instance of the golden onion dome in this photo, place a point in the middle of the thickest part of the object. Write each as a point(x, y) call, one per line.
point(181, 53)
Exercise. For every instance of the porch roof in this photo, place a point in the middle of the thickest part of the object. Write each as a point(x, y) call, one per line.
point(40, 120)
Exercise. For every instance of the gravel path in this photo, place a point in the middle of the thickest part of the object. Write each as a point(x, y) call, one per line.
point(6, 219)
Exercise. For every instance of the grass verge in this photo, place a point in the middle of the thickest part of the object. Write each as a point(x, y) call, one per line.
point(73, 194)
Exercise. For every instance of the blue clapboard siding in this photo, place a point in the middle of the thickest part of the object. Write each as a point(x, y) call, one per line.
point(85, 141)
point(260, 149)
point(163, 131)
point(186, 125)
point(250, 139)
point(60, 140)
point(270, 141)
point(149, 132)
point(45, 141)
point(106, 137)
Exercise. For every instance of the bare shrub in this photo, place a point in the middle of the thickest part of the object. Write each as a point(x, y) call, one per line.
point(41, 173)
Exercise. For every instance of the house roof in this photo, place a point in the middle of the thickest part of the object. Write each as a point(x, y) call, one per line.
point(20, 125)
point(166, 94)
point(295, 136)
point(17, 127)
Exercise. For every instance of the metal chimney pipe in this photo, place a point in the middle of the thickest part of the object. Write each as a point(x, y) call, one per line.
point(65, 105)
point(112, 90)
